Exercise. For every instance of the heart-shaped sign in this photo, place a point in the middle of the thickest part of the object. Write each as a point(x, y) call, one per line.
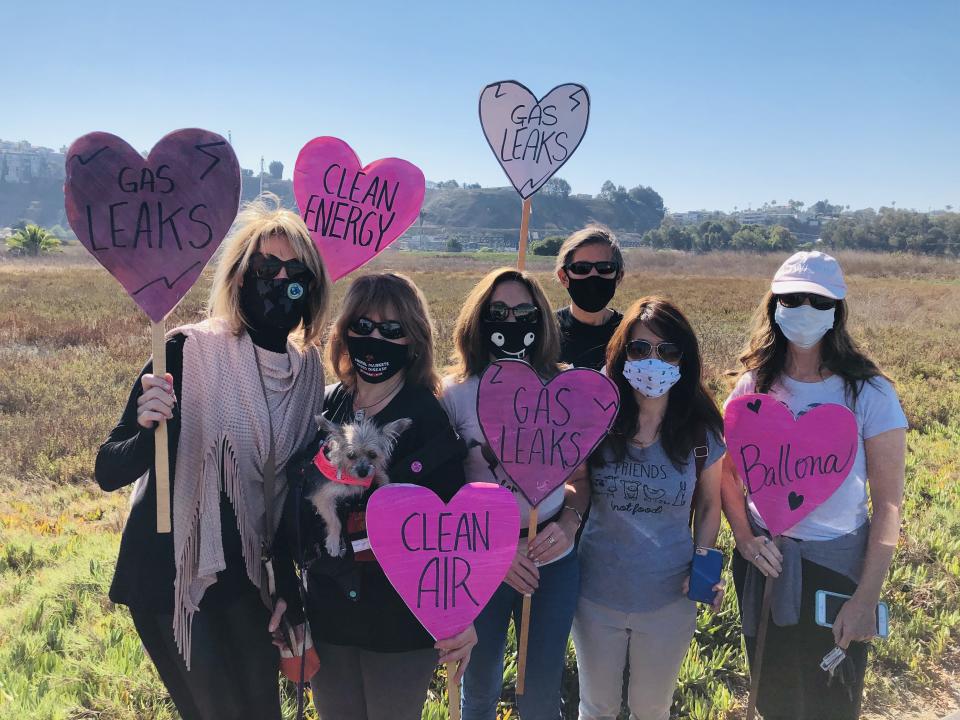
point(541, 432)
point(152, 222)
point(353, 213)
point(445, 560)
point(789, 467)
point(532, 138)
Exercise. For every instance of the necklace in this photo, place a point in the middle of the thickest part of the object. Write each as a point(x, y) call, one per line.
point(360, 412)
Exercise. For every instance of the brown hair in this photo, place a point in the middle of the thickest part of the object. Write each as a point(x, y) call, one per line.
point(766, 352)
point(384, 292)
point(261, 219)
point(470, 352)
point(590, 235)
point(691, 410)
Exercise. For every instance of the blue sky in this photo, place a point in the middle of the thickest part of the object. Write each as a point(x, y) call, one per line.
point(714, 104)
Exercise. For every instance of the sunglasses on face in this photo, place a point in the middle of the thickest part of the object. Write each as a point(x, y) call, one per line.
point(819, 302)
point(524, 312)
point(267, 267)
point(606, 268)
point(389, 329)
point(642, 349)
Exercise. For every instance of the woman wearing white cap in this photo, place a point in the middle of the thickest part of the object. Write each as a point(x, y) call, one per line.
point(801, 353)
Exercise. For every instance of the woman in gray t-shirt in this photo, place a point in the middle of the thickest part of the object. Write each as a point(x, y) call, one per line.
point(637, 546)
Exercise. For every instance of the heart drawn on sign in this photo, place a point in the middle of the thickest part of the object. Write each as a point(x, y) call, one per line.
point(789, 466)
point(532, 138)
point(541, 432)
point(444, 560)
point(152, 222)
point(354, 212)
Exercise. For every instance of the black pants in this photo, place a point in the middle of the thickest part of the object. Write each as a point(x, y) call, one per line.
point(233, 666)
point(792, 685)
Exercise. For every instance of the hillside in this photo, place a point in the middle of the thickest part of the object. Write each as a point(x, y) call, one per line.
point(41, 202)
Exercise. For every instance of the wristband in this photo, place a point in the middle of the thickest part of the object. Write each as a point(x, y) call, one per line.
point(575, 512)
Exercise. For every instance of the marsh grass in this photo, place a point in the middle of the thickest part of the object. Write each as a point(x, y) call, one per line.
point(71, 343)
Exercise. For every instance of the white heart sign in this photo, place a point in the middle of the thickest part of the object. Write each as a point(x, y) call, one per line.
point(532, 138)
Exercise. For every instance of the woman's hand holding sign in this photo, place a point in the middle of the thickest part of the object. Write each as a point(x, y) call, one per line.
point(523, 575)
point(457, 650)
point(156, 402)
point(762, 552)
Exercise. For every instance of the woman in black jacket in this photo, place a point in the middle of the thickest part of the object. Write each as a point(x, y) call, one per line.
point(376, 660)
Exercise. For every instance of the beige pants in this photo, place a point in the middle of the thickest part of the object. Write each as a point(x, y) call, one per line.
point(655, 642)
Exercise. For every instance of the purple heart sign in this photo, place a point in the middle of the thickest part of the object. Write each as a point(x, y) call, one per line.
point(542, 432)
point(532, 138)
point(152, 222)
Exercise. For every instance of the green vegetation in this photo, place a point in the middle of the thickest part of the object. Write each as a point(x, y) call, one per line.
point(32, 240)
point(549, 246)
point(65, 371)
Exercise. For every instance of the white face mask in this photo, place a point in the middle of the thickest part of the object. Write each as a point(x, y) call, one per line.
point(651, 377)
point(804, 325)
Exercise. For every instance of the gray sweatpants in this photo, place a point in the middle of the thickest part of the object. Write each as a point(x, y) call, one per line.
point(356, 684)
point(655, 642)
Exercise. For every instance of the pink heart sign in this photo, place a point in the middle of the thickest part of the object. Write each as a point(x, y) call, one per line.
point(532, 138)
point(354, 212)
point(152, 222)
point(789, 466)
point(541, 432)
point(445, 560)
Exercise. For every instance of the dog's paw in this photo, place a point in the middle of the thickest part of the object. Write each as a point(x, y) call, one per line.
point(334, 546)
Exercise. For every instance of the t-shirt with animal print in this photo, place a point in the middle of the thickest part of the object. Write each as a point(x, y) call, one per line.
point(637, 546)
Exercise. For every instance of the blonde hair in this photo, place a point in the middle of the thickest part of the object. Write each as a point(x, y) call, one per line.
point(590, 235)
point(259, 220)
point(382, 292)
point(471, 354)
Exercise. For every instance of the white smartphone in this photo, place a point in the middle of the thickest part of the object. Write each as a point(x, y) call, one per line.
point(828, 604)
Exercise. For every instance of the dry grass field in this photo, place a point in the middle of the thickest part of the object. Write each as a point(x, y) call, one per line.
point(71, 342)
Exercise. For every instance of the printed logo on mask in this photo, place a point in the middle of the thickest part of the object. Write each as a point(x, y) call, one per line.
point(651, 377)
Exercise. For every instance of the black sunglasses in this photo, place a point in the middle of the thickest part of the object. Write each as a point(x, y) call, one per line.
point(267, 267)
point(524, 312)
point(582, 267)
point(389, 329)
point(819, 302)
point(641, 349)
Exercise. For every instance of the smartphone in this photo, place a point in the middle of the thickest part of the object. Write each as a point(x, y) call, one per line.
point(705, 572)
point(828, 604)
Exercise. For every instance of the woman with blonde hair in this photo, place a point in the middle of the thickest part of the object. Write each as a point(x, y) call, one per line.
point(507, 315)
point(239, 399)
point(376, 660)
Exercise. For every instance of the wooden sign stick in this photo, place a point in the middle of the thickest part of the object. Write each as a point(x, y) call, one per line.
point(453, 692)
point(525, 614)
point(761, 644)
point(524, 232)
point(161, 459)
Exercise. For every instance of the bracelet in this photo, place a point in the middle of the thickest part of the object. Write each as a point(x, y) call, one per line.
point(575, 512)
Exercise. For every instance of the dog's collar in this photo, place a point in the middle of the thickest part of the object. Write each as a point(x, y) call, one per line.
point(335, 474)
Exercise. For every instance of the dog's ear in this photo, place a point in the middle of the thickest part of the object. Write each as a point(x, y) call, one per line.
point(395, 429)
point(328, 427)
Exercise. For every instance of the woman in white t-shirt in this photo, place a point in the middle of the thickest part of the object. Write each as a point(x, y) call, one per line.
point(801, 353)
point(507, 315)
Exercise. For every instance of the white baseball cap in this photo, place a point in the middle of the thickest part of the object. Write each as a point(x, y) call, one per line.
point(812, 272)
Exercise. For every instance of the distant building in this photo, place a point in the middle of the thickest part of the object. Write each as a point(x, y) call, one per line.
point(21, 162)
point(692, 217)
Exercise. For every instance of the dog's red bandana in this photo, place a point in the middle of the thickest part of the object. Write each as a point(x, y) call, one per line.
point(335, 474)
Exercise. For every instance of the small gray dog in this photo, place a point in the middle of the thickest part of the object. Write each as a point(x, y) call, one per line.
point(353, 458)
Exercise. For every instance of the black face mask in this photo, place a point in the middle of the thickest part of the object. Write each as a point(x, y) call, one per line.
point(592, 293)
point(376, 360)
point(514, 340)
point(272, 308)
